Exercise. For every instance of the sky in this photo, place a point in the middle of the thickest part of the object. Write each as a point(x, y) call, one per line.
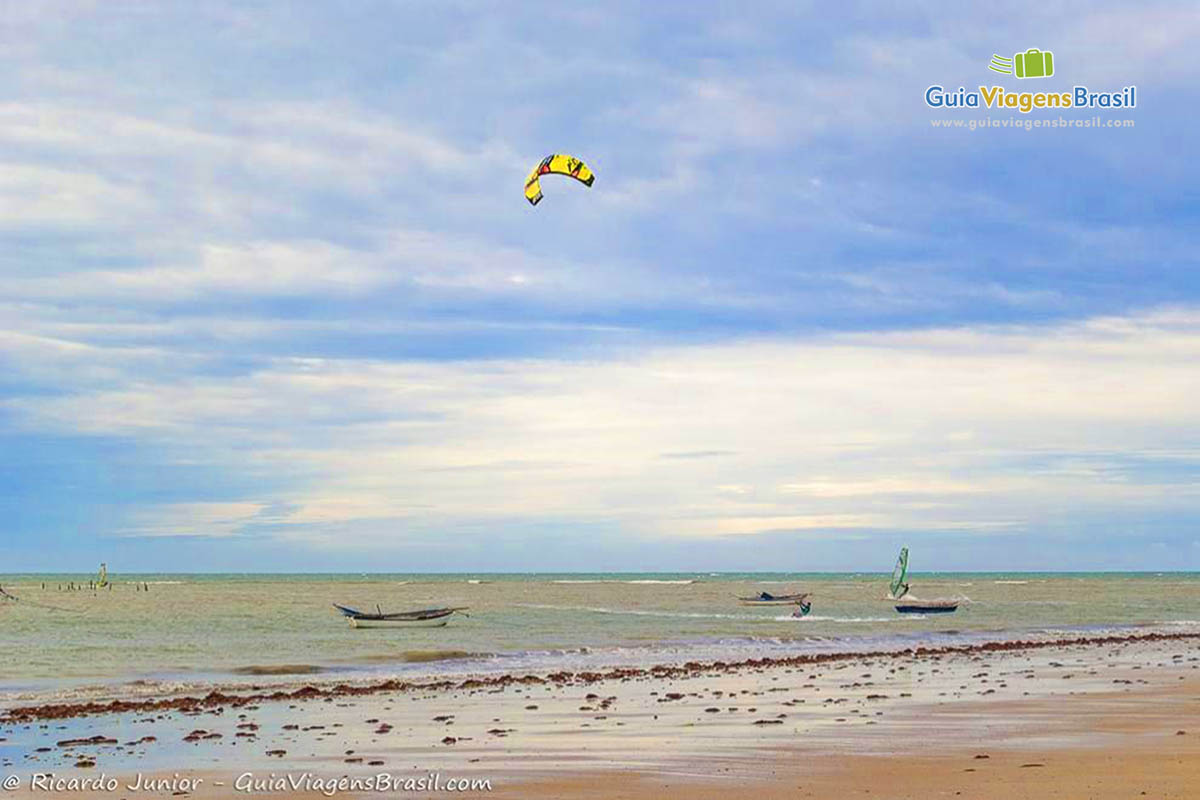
point(271, 298)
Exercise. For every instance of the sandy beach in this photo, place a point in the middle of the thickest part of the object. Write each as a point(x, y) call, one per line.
point(1092, 716)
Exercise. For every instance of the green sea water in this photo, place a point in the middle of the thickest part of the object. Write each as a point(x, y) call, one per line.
point(190, 630)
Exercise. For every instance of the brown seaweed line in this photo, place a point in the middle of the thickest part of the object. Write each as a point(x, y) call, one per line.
point(219, 699)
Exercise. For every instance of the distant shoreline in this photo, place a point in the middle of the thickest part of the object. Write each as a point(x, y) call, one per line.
point(128, 576)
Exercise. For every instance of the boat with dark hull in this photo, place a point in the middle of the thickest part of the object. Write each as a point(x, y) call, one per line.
point(767, 599)
point(912, 605)
point(905, 602)
point(422, 618)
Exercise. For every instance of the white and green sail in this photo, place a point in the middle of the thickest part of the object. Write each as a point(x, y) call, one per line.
point(102, 576)
point(899, 573)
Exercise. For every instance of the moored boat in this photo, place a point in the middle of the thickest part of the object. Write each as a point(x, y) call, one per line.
point(422, 618)
point(767, 599)
point(914, 606)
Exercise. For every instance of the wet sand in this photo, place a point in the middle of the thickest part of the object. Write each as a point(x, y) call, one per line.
point(1110, 774)
point(1140, 742)
point(1089, 718)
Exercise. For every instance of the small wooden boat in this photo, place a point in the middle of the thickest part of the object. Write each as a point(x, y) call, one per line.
point(914, 606)
point(423, 618)
point(767, 599)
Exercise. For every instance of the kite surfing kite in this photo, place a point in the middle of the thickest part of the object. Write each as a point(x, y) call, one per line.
point(556, 164)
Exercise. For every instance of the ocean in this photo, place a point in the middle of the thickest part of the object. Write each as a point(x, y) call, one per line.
point(189, 632)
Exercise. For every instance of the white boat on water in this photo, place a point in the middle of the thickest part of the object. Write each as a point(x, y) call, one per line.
point(423, 618)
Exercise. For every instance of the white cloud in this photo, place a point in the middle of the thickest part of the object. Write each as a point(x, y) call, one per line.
point(32, 197)
point(208, 520)
point(851, 431)
point(827, 487)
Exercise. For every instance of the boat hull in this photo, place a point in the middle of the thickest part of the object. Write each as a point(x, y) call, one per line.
point(425, 618)
point(913, 608)
point(399, 623)
point(778, 600)
point(770, 602)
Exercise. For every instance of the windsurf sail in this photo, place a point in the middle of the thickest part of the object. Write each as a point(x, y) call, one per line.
point(102, 577)
point(899, 573)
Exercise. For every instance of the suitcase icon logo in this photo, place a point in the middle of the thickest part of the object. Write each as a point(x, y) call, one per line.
point(1033, 63)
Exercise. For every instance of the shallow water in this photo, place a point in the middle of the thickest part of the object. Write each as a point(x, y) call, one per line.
point(196, 629)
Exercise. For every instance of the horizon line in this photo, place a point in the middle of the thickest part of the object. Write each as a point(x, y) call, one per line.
point(700, 573)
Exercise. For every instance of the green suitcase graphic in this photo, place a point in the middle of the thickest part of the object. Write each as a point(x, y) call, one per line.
point(1034, 63)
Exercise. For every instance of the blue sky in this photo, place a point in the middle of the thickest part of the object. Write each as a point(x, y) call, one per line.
point(271, 298)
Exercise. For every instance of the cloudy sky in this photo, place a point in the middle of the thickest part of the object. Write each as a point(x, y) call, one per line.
point(271, 297)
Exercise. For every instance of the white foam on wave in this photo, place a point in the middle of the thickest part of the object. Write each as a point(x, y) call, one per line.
point(820, 618)
point(636, 612)
point(680, 582)
point(100, 692)
point(644, 581)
